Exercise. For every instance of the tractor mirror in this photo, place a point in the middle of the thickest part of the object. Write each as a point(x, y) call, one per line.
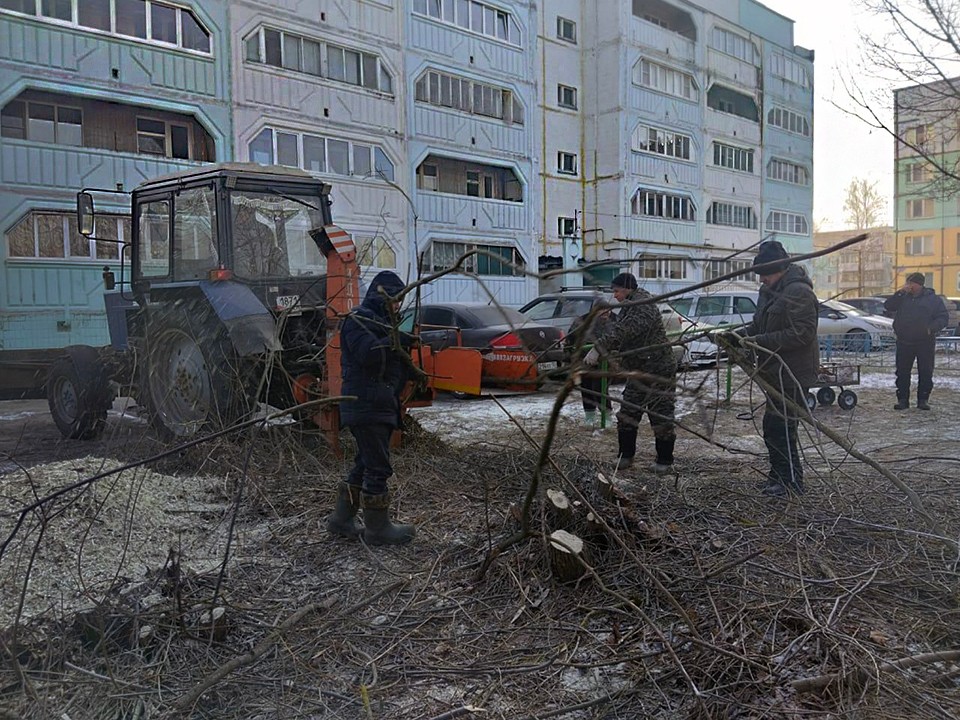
point(85, 214)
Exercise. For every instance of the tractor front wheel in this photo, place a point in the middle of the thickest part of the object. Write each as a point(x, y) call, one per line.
point(78, 394)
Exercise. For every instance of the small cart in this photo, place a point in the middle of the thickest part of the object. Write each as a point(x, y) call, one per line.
point(833, 374)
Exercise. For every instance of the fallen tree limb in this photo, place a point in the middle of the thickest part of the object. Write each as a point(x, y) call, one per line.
point(823, 681)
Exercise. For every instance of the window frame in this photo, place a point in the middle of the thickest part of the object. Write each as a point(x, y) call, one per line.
point(780, 170)
point(447, 12)
point(662, 268)
point(459, 94)
point(565, 222)
point(373, 149)
point(788, 117)
point(564, 92)
point(740, 158)
point(473, 264)
point(665, 79)
point(562, 23)
point(567, 163)
point(927, 208)
point(789, 70)
point(57, 107)
point(665, 138)
point(776, 218)
point(910, 243)
point(168, 125)
point(66, 217)
point(671, 206)
point(735, 215)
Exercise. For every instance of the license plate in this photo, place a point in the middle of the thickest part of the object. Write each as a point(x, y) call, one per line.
point(547, 366)
point(287, 302)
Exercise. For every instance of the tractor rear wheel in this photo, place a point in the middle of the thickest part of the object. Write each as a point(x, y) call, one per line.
point(190, 377)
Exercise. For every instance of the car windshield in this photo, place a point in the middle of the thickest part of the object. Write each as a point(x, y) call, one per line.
point(271, 236)
point(542, 310)
point(487, 315)
point(844, 308)
point(681, 305)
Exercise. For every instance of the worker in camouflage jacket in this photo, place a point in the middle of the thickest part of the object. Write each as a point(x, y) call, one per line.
point(637, 342)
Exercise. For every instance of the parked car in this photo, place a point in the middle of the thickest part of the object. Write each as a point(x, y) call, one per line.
point(847, 328)
point(718, 307)
point(870, 305)
point(953, 308)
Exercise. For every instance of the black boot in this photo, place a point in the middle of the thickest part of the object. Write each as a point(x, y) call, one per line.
point(902, 404)
point(342, 521)
point(379, 530)
point(664, 463)
point(627, 445)
point(922, 403)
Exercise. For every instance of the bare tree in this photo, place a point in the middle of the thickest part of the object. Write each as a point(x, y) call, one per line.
point(918, 46)
point(863, 204)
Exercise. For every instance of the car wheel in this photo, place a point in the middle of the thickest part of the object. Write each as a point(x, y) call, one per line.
point(847, 400)
point(826, 396)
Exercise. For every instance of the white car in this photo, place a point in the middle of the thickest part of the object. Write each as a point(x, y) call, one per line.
point(844, 327)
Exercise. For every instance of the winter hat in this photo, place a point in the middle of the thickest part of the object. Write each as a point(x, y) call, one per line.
point(770, 251)
point(386, 282)
point(917, 278)
point(625, 281)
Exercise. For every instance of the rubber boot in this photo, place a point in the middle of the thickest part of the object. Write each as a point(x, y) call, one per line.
point(664, 463)
point(378, 529)
point(902, 403)
point(922, 403)
point(342, 521)
point(627, 445)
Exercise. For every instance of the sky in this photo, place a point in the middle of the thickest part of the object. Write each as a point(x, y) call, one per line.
point(844, 147)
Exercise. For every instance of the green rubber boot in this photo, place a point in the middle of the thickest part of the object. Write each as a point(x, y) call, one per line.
point(378, 530)
point(343, 520)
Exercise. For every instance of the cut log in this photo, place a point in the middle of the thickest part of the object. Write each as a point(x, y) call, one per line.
point(567, 556)
point(604, 487)
point(559, 509)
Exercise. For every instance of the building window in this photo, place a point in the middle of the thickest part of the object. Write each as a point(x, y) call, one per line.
point(958, 281)
point(919, 137)
point(663, 268)
point(567, 163)
point(789, 69)
point(787, 222)
point(662, 142)
point(918, 172)
point(319, 154)
point(42, 122)
point(788, 120)
point(566, 226)
point(358, 68)
point(163, 138)
point(428, 178)
point(918, 245)
point(55, 235)
point(922, 208)
point(567, 97)
point(665, 79)
point(144, 19)
point(566, 30)
point(733, 44)
point(496, 260)
point(731, 215)
point(458, 93)
point(787, 172)
point(473, 16)
point(719, 268)
point(375, 252)
point(734, 158)
point(659, 204)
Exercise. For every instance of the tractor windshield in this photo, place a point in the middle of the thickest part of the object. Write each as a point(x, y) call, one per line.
point(271, 235)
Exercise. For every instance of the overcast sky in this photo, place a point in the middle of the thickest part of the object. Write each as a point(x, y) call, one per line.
point(843, 146)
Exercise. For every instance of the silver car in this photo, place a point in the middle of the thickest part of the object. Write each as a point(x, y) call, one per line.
point(842, 326)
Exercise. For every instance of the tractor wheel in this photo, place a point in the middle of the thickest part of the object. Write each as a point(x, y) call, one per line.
point(190, 378)
point(826, 396)
point(78, 394)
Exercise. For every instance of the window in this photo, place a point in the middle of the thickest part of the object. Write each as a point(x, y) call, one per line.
point(789, 69)
point(195, 234)
point(319, 154)
point(55, 235)
point(922, 208)
point(428, 178)
point(567, 226)
point(918, 245)
point(719, 268)
point(920, 137)
point(731, 215)
point(472, 15)
point(918, 172)
point(458, 93)
point(787, 222)
point(733, 44)
point(789, 120)
point(656, 203)
point(357, 68)
point(662, 142)
point(958, 281)
point(169, 25)
point(567, 163)
point(788, 172)
point(375, 252)
point(42, 122)
point(163, 138)
point(567, 97)
point(734, 158)
point(665, 79)
point(497, 260)
point(663, 269)
point(566, 30)
point(153, 244)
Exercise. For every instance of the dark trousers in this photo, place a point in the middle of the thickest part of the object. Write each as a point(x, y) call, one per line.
point(923, 354)
point(590, 393)
point(371, 465)
point(658, 400)
point(780, 426)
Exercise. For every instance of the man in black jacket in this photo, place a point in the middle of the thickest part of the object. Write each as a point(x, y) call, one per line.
point(374, 372)
point(919, 315)
point(784, 330)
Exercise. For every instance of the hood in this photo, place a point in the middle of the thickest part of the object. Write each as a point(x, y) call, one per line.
point(387, 282)
point(927, 291)
point(794, 273)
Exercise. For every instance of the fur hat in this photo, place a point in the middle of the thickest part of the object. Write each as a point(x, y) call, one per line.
point(768, 252)
point(917, 278)
point(624, 280)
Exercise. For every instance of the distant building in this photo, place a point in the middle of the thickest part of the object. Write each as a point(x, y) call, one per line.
point(860, 270)
point(927, 203)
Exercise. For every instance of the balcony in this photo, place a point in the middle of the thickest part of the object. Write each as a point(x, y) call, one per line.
point(472, 213)
point(733, 69)
point(471, 195)
point(665, 28)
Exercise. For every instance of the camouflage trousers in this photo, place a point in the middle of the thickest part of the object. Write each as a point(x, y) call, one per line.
point(656, 399)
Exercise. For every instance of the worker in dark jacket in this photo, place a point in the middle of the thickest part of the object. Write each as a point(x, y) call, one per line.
point(637, 342)
point(919, 314)
point(784, 331)
point(374, 372)
point(583, 334)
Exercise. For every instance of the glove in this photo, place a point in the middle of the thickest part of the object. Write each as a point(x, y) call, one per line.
point(729, 339)
point(592, 358)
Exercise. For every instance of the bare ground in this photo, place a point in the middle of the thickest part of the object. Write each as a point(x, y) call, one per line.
point(700, 598)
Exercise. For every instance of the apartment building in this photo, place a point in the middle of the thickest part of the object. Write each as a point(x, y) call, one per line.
point(94, 94)
point(861, 270)
point(927, 200)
